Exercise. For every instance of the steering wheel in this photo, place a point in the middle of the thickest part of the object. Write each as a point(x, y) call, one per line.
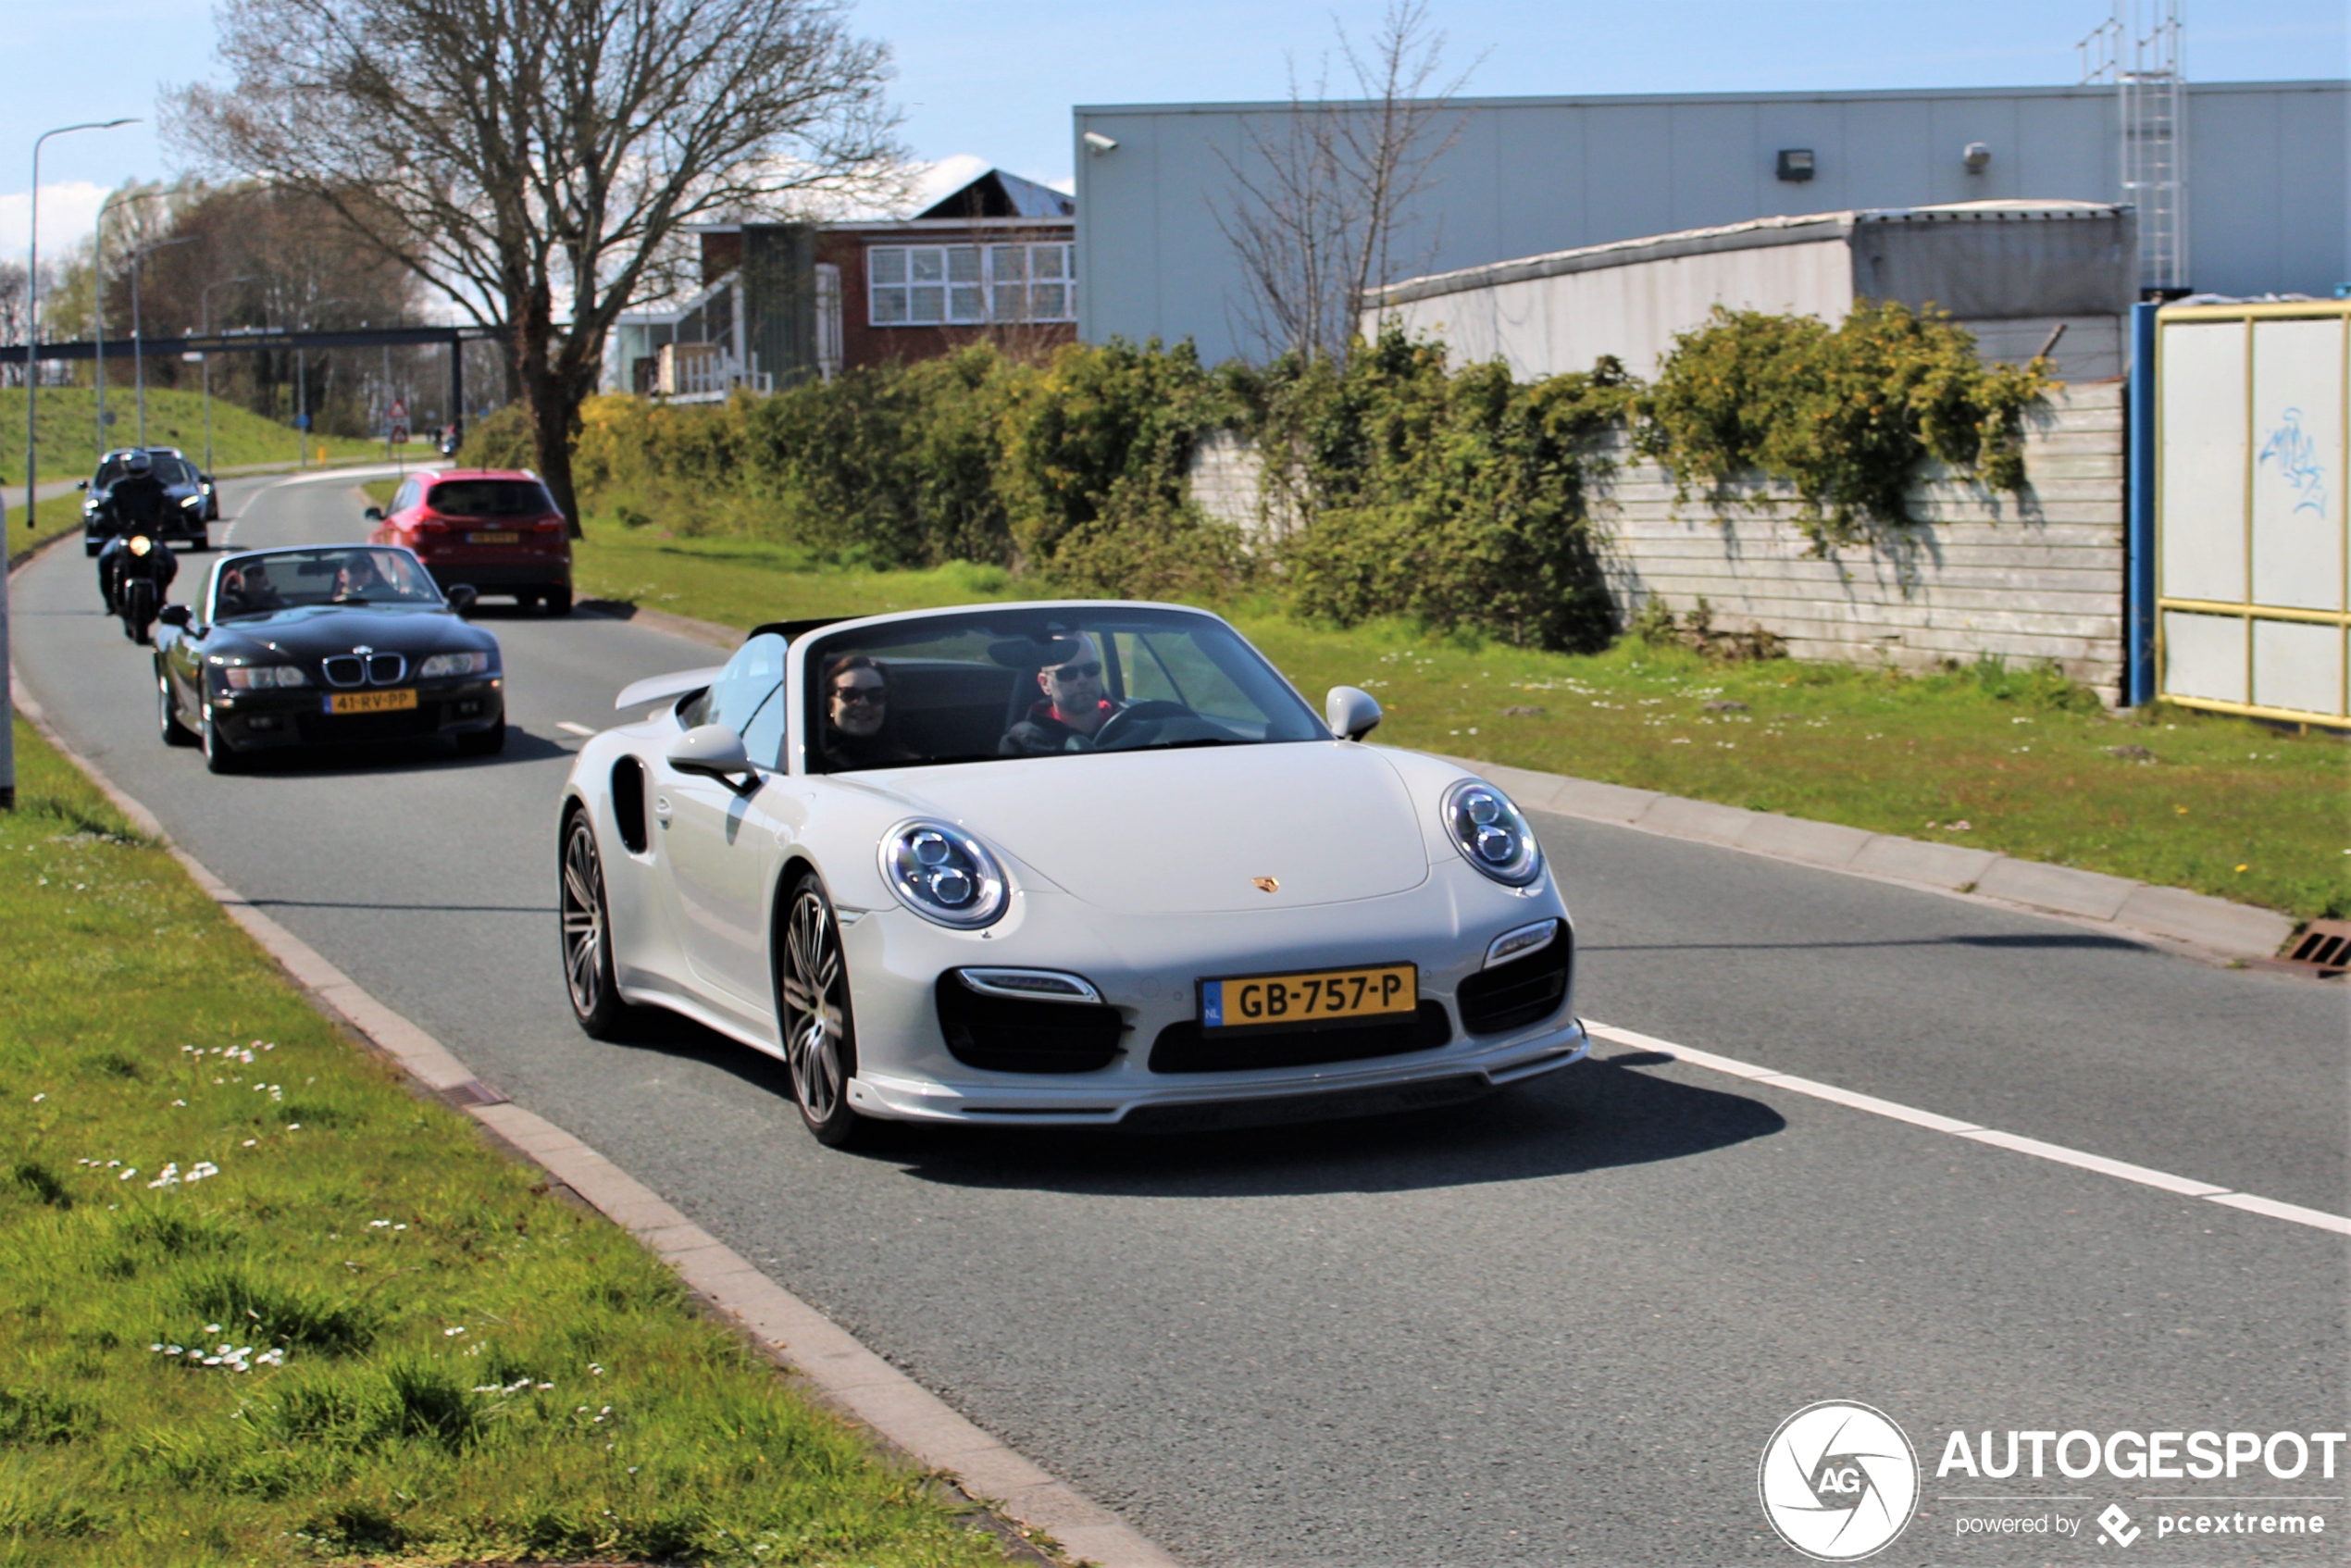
point(1127, 723)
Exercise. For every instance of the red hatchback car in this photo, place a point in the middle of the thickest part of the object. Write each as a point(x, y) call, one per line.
point(496, 528)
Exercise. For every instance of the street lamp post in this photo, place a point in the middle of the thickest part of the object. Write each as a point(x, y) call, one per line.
point(138, 338)
point(31, 386)
point(206, 296)
point(98, 302)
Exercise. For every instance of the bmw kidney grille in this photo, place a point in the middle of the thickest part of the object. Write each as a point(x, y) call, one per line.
point(366, 666)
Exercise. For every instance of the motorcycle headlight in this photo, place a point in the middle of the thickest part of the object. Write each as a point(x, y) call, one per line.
point(1487, 827)
point(943, 874)
point(262, 677)
point(454, 664)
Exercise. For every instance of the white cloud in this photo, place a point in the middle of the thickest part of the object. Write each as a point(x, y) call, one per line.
point(68, 212)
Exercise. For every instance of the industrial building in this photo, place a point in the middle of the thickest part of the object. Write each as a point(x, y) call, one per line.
point(2263, 183)
point(2024, 277)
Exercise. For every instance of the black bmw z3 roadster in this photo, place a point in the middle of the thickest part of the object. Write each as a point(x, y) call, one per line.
point(322, 646)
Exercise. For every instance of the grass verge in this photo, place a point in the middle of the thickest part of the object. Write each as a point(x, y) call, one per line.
point(259, 1304)
point(67, 427)
point(1989, 757)
point(59, 513)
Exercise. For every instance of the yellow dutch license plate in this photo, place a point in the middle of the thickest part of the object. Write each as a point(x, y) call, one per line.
point(372, 702)
point(1310, 998)
point(496, 537)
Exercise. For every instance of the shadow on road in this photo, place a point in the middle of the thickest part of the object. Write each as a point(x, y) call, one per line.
point(1598, 1114)
point(2015, 939)
point(394, 756)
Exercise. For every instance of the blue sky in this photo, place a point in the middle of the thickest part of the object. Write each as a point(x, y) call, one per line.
point(995, 83)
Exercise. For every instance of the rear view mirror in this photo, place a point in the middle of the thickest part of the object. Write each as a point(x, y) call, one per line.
point(374, 513)
point(174, 615)
point(714, 751)
point(462, 596)
point(1351, 712)
point(81, 484)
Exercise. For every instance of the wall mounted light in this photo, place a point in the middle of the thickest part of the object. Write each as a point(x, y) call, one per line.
point(1796, 165)
point(1977, 154)
point(1098, 141)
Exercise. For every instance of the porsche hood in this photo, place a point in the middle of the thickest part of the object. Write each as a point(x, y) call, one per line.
point(1226, 828)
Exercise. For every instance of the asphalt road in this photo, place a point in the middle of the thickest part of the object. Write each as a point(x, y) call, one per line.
point(1557, 1326)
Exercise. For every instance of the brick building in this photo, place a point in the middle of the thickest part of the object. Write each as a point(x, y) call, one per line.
point(993, 261)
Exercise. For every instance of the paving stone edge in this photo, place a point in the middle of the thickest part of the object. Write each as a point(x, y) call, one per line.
point(2171, 918)
point(835, 1367)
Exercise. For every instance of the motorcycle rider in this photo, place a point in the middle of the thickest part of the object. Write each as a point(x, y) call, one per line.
point(135, 503)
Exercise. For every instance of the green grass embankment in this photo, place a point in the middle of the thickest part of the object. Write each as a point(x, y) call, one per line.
point(260, 1305)
point(1995, 759)
point(66, 430)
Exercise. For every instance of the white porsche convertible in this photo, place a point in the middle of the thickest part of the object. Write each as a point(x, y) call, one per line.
point(1066, 863)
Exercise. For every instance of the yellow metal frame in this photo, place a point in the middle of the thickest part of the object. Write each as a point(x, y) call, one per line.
point(2250, 612)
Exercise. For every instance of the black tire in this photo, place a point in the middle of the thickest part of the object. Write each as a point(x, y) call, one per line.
point(556, 601)
point(220, 753)
point(586, 926)
point(820, 1034)
point(168, 715)
point(137, 608)
point(90, 548)
point(483, 743)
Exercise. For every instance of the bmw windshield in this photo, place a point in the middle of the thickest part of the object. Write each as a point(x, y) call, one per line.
point(288, 579)
point(953, 689)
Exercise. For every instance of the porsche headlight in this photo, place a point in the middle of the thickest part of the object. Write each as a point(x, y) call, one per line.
point(454, 664)
point(1491, 835)
point(257, 677)
point(943, 874)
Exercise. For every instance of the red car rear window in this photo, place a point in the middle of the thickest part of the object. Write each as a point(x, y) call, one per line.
point(491, 498)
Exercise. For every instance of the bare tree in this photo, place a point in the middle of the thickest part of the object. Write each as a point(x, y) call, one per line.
point(536, 161)
point(13, 301)
point(1319, 195)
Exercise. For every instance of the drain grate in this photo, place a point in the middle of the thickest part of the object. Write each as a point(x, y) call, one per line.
point(2324, 945)
point(473, 1092)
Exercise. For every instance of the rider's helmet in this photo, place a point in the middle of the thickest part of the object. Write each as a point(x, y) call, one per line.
point(138, 463)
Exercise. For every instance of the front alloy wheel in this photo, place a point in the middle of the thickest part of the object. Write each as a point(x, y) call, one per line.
point(587, 933)
point(167, 714)
point(819, 1042)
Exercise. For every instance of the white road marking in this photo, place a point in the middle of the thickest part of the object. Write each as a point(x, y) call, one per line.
point(570, 729)
point(2187, 1186)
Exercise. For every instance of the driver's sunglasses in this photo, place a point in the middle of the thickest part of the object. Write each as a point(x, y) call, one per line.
point(1088, 671)
point(873, 696)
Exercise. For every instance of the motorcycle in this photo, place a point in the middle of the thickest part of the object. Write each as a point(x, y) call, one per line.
point(135, 570)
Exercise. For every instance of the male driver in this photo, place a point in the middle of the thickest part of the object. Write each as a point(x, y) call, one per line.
point(1074, 709)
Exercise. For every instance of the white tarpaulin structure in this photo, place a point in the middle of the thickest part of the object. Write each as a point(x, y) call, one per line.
point(2010, 272)
point(2253, 559)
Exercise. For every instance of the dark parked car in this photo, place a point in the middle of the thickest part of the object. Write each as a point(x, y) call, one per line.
point(321, 646)
point(496, 528)
point(187, 503)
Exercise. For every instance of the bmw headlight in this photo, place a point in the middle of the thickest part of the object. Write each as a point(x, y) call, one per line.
point(943, 874)
point(1491, 834)
point(261, 678)
point(454, 664)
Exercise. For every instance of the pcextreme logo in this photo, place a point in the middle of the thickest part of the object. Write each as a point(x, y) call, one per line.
point(1838, 1481)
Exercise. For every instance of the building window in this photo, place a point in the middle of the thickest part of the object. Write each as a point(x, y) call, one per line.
point(969, 285)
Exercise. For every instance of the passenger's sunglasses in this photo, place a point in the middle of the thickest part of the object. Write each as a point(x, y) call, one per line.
point(1086, 671)
point(872, 695)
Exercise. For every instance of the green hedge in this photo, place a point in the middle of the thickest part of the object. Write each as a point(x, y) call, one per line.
point(1397, 487)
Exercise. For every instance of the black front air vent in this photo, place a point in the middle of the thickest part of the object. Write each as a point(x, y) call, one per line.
point(629, 802)
point(1181, 1048)
point(1526, 991)
point(1003, 1034)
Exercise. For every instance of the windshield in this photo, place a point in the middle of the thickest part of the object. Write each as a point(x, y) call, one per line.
point(491, 498)
point(167, 470)
point(286, 580)
point(994, 684)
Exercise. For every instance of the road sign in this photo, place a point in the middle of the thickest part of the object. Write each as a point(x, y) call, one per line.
point(398, 416)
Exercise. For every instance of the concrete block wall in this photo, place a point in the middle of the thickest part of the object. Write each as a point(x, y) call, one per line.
point(2031, 578)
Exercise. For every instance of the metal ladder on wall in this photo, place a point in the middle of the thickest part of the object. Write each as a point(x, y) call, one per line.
point(2138, 50)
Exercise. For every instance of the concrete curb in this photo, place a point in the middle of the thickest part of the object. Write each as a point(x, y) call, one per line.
point(2171, 915)
point(839, 1370)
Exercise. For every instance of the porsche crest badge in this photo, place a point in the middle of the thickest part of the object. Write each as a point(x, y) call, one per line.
point(1265, 884)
